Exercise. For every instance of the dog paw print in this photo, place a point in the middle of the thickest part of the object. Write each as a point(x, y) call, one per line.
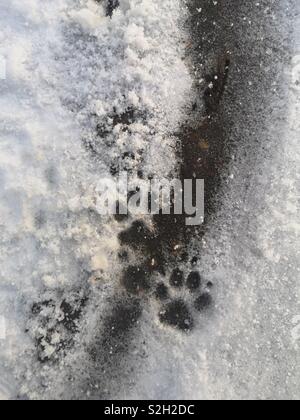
point(182, 299)
point(53, 325)
point(108, 130)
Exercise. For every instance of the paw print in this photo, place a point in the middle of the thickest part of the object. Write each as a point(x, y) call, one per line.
point(126, 158)
point(183, 299)
point(53, 325)
point(181, 296)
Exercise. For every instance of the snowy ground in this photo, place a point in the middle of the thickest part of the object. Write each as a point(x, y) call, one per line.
point(69, 71)
point(69, 68)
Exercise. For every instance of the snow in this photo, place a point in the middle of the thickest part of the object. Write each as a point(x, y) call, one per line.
point(69, 68)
